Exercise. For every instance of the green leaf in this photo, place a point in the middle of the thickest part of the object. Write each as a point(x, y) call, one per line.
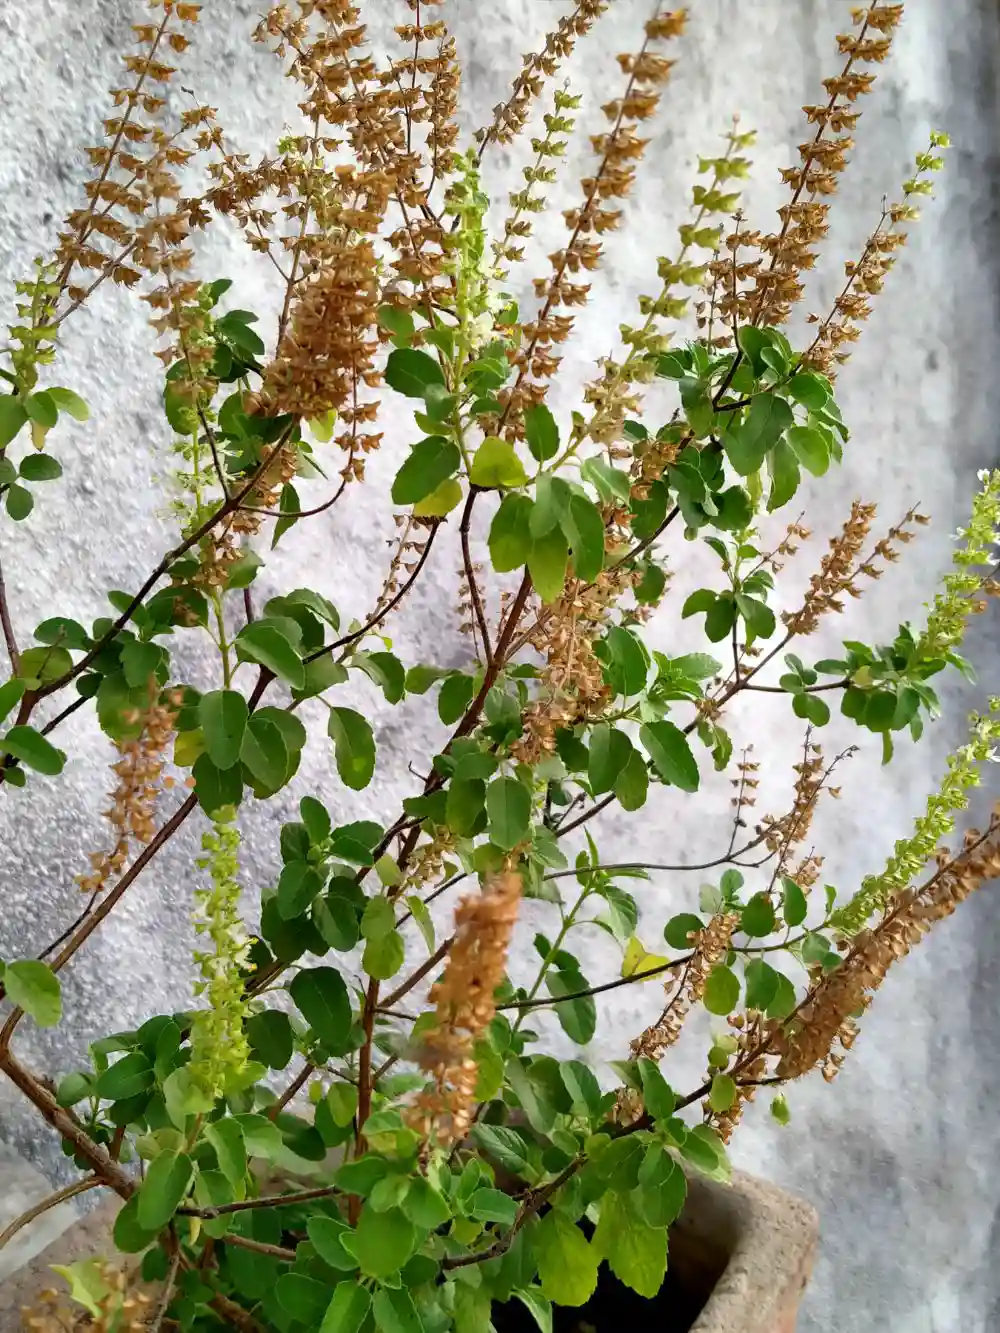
point(222, 716)
point(87, 1284)
point(496, 464)
point(635, 1251)
point(541, 432)
point(354, 747)
point(503, 1145)
point(670, 752)
point(421, 915)
point(395, 1312)
point(431, 462)
point(783, 467)
point(810, 448)
point(32, 748)
point(762, 984)
point(490, 1205)
point(722, 990)
point(812, 709)
point(126, 1078)
point(261, 1136)
point(567, 1264)
point(582, 1085)
point(508, 808)
point(678, 929)
point(758, 916)
point(662, 1187)
point(68, 401)
point(348, 1309)
point(455, 697)
point(465, 805)
point(40, 467)
point(657, 1093)
point(19, 502)
point(302, 1297)
point(298, 885)
point(139, 662)
point(321, 997)
point(270, 1036)
point(705, 1150)
point(425, 1206)
point(227, 1139)
point(748, 443)
point(383, 1241)
point(577, 1018)
point(794, 907)
point(128, 1235)
point(34, 987)
point(73, 1088)
point(383, 957)
point(784, 998)
point(811, 390)
point(11, 693)
point(316, 818)
point(41, 409)
point(263, 642)
point(584, 528)
point(412, 372)
point(168, 1178)
point(610, 751)
point(626, 661)
point(547, 561)
point(510, 538)
point(216, 788)
point(722, 1096)
point(538, 1305)
point(632, 783)
point(12, 418)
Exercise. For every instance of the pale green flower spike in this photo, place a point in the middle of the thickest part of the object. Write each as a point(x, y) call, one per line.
point(477, 303)
point(219, 1048)
point(912, 854)
point(951, 608)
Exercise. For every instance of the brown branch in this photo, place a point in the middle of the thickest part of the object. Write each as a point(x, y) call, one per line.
point(8, 629)
point(553, 1000)
point(258, 1246)
point(265, 1201)
point(52, 1201)
point(296, 1085)
point(168, 1292)
point(415, 978)
point(470, 578)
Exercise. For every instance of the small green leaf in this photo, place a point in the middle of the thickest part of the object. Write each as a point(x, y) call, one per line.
point(421, 915)
point(301, 1296)
point(748, 443)
point(809, 389)
point(412, 372)
point(670, 752)
point(547, 561)
point(431, 462)
point(322, 998)
point(348, 1308)
point(577, 1018)
point(508, 808)
point(34, 987)
point(567, 1264)
point(794, 906)
point(222, 716)
point(68, 401)
point(538, 1305)
point(496, 464)
point(758, 916)
point(503, 1145)
point(610, 751)
point(455, 696)
point(41, 409)
point(812, 709)
point(216, 788)
point(395, 1312)
point(441, 501)
point(270, 1036)
point(810, 448)
point(541, 432)
point(584, 528)
point(354, 747)
point(762, 984)
point(298, 886)
point(657, 1093)
point(784, 998)
point(19, 502)
point(126, 1078)
point(11, 693)
point(128, 1235)
point(510, 538)
point(722, 1096)
point(32, 748)
point(227, 1139)
point(264, 642)
point(40, 467)
point(383, 1241)
point(783, 467)
point(722, 990)
point(635, 1251)
point(383, 957)
point(316, 819)
point(632, 783)
point(490, 1205)
point(168, 1178)
point(679, 929)
point(12, 418)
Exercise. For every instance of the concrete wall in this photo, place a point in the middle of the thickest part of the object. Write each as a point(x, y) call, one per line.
point(900, 1155)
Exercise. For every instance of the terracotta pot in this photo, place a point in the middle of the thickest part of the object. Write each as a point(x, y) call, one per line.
point(740, 1258)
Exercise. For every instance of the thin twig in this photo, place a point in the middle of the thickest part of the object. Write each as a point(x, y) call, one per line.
point(296, 1085)
point(415, 978)
point(258, 1246)
point(8, 629)
point(470, 578)
point(553, 1000)
point(52, 1201)
point(168, 1292)
point(265, 1201)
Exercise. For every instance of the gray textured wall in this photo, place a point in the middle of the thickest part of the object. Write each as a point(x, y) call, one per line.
point(900, 1154)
